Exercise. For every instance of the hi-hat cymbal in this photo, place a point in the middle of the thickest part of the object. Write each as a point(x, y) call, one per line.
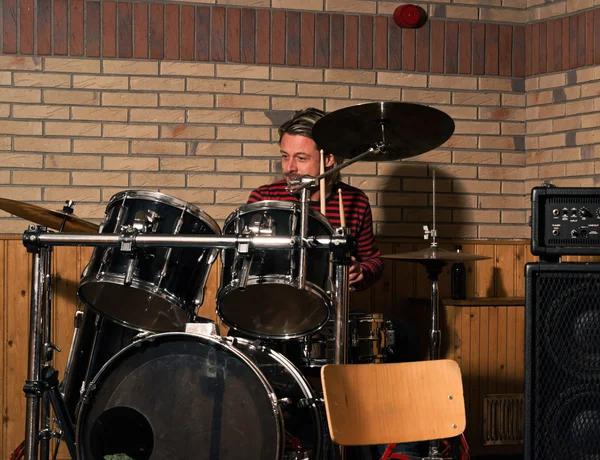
point(403, 129)
point(47, 217)
point(435, 254)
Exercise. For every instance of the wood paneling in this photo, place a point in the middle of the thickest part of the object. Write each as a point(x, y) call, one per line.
point(486, 341)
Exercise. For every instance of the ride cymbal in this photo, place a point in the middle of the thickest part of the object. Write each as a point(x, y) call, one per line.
point(47, 217)
point(400, 129)
point(435, 254)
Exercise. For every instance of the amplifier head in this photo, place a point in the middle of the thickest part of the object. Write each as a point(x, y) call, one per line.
point(565, 221)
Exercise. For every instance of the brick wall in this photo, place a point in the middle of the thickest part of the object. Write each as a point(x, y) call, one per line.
point(184, 98)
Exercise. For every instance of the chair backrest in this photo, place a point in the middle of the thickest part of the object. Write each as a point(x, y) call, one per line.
point(393, 403)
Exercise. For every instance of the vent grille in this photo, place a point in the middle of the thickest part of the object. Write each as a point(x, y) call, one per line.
point(576, 199)
point(503, 419)
point(575, 241)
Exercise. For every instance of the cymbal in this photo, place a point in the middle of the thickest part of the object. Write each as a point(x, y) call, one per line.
point(435, 254)
point(403, 129)
point(47, 217)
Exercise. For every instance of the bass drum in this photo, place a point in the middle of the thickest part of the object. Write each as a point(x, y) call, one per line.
point(181, 396)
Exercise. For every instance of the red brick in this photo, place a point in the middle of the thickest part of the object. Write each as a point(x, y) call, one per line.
point(322, 43)
point(535, 49)
point(77, 38)
point(293, 38)
point(409, 39)
point(9, 29)
point(203, 31)
point(366, 42)
point(26, 27)
point(519, 55)
point(44, 27)
point(565, 43)
point(479, 49)
point(278, 37)
point(581, 33)
point(248, 35)
point(589, 38)
point(61, 37)
point(437, 46)
point(464, 48)
point(506, 44)
point(234, 23)
point(596, 36)
point(557, 45)
point(157, 32)
point(491, 49)
point(125, 30)
point(140, 31)
point(394, 46)
point(263, 36)
point(109, 29)
point(188, 21)
point(451, 47)
point(423, 48)
point(573, 33)
point(172, 32)
point(92, 47)
point(307, 45)
point(543, 48)
point(351, 42)
point(550, 46)
point(337, 41)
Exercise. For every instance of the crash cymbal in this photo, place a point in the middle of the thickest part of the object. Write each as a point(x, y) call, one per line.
point(404, 130)
point(47, 217)
point(435, 254)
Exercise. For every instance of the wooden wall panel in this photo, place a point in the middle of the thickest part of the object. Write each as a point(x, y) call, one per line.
point(3, 347)
point(486, 341)
point(17, 266)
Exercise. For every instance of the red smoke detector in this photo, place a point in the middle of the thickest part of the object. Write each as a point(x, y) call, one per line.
point(410, 16)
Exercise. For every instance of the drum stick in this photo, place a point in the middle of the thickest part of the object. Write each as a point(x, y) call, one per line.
point(342, 216)
point(322, 182)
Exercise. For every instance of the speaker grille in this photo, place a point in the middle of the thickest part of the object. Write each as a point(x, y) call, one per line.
point(563, 362)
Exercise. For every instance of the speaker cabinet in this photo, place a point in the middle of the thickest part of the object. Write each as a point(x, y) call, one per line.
point(562, 361)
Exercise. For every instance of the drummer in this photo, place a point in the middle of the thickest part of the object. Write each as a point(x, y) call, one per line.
point(301, 156)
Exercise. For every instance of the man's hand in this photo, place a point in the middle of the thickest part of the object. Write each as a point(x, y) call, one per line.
point(356, 274)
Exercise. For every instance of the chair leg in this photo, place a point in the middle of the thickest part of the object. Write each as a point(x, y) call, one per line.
point(389, 453)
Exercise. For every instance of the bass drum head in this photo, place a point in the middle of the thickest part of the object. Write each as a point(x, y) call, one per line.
point(180, 396)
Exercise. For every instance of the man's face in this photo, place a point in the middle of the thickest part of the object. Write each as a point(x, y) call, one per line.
point(299, 157)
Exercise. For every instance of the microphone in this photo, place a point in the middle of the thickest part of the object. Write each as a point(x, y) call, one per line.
point(410, 16)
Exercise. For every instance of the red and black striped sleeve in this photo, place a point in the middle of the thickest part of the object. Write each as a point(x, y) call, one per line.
point(367, 251)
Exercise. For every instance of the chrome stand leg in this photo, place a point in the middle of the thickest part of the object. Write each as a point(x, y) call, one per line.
point(434, 268)
point(32, 387)
point(342, 261)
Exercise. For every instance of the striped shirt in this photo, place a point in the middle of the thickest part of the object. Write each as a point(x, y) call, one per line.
point(359, 221)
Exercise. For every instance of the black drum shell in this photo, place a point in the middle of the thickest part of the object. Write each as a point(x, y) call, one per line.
point(272, 305)
point(168, 283)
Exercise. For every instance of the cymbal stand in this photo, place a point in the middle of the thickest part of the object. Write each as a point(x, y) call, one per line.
point(41, 386)
point(433, 269)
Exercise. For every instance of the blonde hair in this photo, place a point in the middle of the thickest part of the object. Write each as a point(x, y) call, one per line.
point(301, 124)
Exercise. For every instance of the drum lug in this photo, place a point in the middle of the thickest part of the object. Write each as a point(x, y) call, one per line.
point(275, 402)
point(308, 402)
point(284, 402)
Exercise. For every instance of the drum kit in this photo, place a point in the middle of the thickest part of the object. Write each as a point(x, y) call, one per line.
point(147, 378)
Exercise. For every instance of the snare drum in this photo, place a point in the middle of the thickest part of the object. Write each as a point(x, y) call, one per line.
point(370, 336)
point(154, 289)
point(183, 396)
point(267, 302)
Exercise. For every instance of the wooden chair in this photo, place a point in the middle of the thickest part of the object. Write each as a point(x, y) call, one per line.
point(393, 403)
